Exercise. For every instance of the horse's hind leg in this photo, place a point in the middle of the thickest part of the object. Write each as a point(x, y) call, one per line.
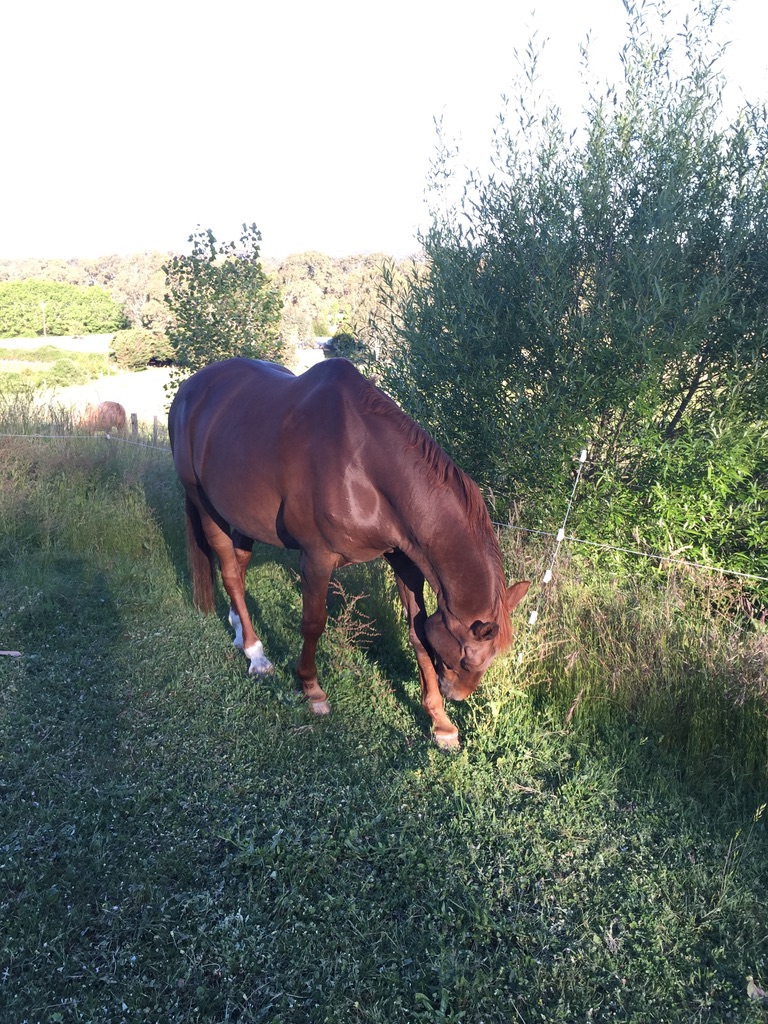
point(243, 546)
point(235, 620)
point(234, 553)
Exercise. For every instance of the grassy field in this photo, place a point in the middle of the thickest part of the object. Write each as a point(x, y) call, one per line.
point(49, 366)
point(181, 843)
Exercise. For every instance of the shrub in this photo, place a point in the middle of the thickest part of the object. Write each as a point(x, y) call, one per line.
point(348, 346)
point(605, 289)
point(137, 347)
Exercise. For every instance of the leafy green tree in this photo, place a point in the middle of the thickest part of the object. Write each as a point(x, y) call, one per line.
point(135, 282)
point(65, 271)
point(302, 302)
point(138, 283)
point(221, 303)
point(32, 308)
point(311, 284)
point(608, 288)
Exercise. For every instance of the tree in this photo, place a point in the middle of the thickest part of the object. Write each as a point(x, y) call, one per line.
point(327, 295)
point(302, 303)
point(135, 282)
point(608, 288)
point(138, 283)
point(221, 303)
point(310, 283)
point(31, 308)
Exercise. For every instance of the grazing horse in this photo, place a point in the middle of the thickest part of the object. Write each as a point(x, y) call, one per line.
point(105, 416)
point(327, 464)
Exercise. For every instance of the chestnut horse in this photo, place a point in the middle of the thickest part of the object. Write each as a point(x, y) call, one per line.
point(105, 416)
point(327, 464)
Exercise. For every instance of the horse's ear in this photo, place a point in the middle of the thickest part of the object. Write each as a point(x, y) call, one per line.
point(484, 630)
point(516, 593)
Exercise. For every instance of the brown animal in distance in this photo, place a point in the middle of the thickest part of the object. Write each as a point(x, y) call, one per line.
point(105, 416)
point(328, 464)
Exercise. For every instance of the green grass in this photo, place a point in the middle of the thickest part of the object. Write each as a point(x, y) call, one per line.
point(181, 843)
point(49, 367)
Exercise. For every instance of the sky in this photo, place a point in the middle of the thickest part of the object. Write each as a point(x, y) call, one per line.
point(127, 124)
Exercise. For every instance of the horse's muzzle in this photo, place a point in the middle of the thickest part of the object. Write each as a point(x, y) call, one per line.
point(459, 688)
point(449, 689)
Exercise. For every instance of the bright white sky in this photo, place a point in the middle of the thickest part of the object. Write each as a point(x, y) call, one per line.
point(126, 124)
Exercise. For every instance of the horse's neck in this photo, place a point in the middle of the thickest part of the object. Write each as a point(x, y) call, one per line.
point(454, 551)
point(456, 559)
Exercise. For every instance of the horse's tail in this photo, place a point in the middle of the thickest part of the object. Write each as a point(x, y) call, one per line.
point(201, 563)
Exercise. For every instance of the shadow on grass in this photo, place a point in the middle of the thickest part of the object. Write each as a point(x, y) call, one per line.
point(63, 789)
point(181, 840)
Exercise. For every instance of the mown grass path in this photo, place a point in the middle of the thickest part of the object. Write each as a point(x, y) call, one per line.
point(180, 843)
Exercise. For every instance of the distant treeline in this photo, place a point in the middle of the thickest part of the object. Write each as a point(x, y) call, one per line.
point(322, 295)
point(135, 283)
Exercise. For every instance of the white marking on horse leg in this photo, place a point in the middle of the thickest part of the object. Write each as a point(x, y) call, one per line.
point(236, 624)
point(320, 707)
point(260, 664)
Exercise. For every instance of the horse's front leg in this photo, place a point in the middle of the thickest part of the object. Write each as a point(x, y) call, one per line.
point(410, 586)
point(315, 577)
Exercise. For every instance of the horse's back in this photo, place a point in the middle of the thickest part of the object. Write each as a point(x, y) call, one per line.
point(220, 384)
point(255, 395)
point(260, 442)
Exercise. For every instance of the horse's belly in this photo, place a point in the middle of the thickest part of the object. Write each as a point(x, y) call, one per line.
point(263, 523)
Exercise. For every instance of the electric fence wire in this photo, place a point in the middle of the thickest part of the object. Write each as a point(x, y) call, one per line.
point(559, 538)
point(92, 437)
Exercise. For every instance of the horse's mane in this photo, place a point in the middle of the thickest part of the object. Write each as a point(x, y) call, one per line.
point(442, 472)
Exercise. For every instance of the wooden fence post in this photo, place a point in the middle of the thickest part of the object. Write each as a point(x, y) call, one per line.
point(134, 426)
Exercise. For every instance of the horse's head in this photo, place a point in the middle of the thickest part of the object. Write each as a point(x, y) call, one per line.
point(461, 653)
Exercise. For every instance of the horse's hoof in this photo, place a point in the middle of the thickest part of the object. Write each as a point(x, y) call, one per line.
point(320, 707)
point(261, 669)
point(260, 663)
point(448, 741)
